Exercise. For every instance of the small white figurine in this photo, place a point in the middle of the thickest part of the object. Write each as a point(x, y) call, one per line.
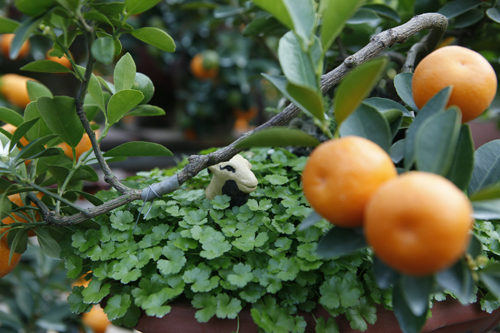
point(233, 178)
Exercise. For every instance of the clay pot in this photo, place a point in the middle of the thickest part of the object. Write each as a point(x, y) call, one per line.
point(447, 317)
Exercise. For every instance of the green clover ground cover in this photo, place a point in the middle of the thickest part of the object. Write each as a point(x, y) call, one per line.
point(221, 259)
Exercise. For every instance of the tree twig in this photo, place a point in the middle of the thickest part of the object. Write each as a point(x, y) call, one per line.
point(434, 21)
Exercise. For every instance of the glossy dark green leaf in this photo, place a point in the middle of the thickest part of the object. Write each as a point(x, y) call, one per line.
point(309, 101)
point(95, 91)
point(49, 152)
point(124, 73)
point(145, 110)
point(278, 9)
point(475, 246)
point(341, 241)
point(60, 173)
point(491, 192)
point(122, 102)
point(47, 243)
point(457, 7)
point(110, 8)
point(486, 166)
point(95, 16)
point(17, 239)
point(103, 49)
point(397, 151)
point(436, 142)
point(155, 37)
point(22, 33)
point(90, 198)
point(21, 130)
point(416, 292)
point(490, 276)
point(435, 105)
point(493, 14)
point(384, 11)
point(37, 90)
point(262, 25)
point(138, 148)
point(138, 6)
point(335, 14)
point(460, 172)
point(8, 26)
point(309, 221)
point(303, 15)
point(408, 322)
point(5, 185)
point(36, 146)
point(385, 104)
point(486, 210)
point(45, 66)
point(227, 11)
point(278, 137)
point(296, 63)
point(364, 16)
point(10, 116)
point(458, 280)
point(40, 128)
point(395, 119)
point(368, 123)
point(402, 83)
point(468, 18)
point(60, 116)
point(355, 87)
point(385, 276)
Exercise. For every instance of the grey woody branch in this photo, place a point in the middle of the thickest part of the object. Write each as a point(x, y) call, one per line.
point(378, 43)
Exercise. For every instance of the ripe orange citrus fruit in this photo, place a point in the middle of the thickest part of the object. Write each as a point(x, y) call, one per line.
point(5, 268)
point(418, 223)
point(6, 41)
point(20, 216)
point(341, 175)
point(205, 65)
point(473, 79)
point(96, 319)
point(63, 60)
point(13, 88)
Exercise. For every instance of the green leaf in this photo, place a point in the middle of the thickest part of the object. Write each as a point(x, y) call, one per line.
point(95, 91)
point(436, 142)
point(11, 117)
point(22, 33)
point(124, 74)
point(278, 137)
point(117, 306)
point(462, 166)
point(208, 305)
point(309, 101)
point(296, 63)
point(486, 210)
point(384, 104)
point(309, 221)
point(155, 37)
point(368, 123)
point(385, 11)
point(94, 15)
point(95, 291)
point(303, 15)
point(75, 301)
point(408, 322)
point(45, 66)
point(493, 14)
point(242, 275)
point(103, 49)
point(138, 6)
point(37, 90)
point(341, 241)
point(109, 9)
point(261, 25)
point(435, 105)
point(468, 18)
point(227, 307)
point(402, 83)
point(355, 87)
point(486, 166)
point(47, 243)
point(364, 16)
point(335, 13)
point(59, 113)
point(416, 291)
point(458, 280)
point(17, 239)
point(457, 7)
point(138, 148)
point(146, 110)
point(122, 102)
point(73, 265)
point(36, 146)
point(490, 192)
point(21, 131)
point(490, 276)
point(278, 9)
point(385, 276)
point(8, 26)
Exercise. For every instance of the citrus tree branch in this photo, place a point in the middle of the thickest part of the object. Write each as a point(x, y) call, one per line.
point(436, 22)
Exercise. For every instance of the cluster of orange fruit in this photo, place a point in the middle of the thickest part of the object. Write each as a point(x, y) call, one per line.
point(417, 223)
